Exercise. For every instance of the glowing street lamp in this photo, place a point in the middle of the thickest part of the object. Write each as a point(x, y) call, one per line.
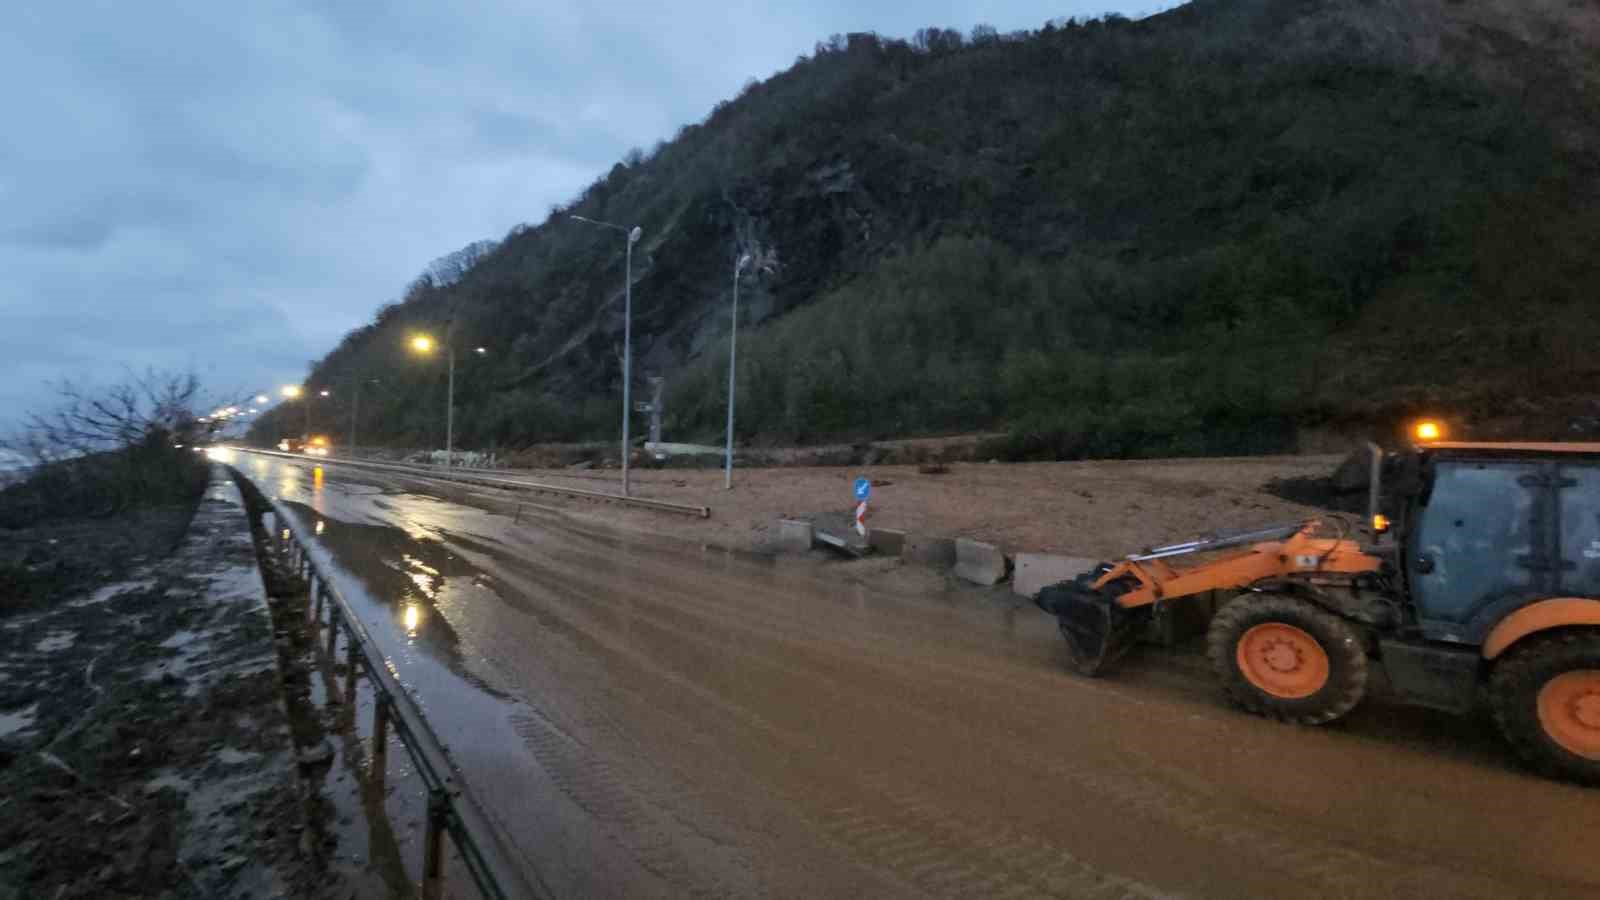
point(262, 399)
point(424, 344)
point(295, 392)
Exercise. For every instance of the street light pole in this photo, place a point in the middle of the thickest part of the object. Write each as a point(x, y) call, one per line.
point(627, 358)
point(355, 407)
point(733, 356)
point(450, 403)
point(425, 344)
point(627, 338)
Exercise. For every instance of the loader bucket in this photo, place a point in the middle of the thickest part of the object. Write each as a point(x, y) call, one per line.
point(1098, 631)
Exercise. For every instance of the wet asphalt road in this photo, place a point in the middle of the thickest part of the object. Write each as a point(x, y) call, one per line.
point(646, 720)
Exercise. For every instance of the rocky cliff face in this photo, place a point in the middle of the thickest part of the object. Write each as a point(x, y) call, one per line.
point(1170, 188)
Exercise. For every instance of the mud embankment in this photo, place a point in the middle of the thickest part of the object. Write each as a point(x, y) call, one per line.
point(145, 749)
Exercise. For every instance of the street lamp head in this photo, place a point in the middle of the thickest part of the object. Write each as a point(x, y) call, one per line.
point(743, 261)
point(325, 393)
point(635, 234)
point(422, 344)
point(291, 391)
point(261, 398)
point(482, 350)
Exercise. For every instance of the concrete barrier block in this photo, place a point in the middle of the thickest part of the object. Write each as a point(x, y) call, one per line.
point(928, 550)
point(979, 563)
point(794, 536)
point(886, 541)
point(1036, 570)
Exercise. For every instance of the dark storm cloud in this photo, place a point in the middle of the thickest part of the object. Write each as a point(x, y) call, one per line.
point(232, 187)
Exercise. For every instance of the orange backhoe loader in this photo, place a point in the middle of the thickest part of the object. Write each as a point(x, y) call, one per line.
point(1486, 587)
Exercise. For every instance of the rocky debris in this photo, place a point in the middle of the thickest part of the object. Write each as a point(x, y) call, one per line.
point(160, 762)
point(320, 753)
point(70, 556)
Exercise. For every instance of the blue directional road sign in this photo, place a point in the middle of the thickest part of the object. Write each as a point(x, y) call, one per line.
point(863, 489)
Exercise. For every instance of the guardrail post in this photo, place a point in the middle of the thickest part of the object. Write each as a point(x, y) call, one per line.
point(333, 631)
point(433, 843)
point(380, 739)
point(316, 612)
point(352, 672)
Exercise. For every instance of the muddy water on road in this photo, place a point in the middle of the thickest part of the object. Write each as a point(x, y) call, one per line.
point(648, 721)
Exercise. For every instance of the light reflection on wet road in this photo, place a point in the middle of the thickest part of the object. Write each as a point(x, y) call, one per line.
point(649, 721)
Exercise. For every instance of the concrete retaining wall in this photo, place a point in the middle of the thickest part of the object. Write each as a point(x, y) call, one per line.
point(928, 550)
point(979, 563)
point(973, 561)
point(886, 541)
point(1036, 570)
point(794, 536)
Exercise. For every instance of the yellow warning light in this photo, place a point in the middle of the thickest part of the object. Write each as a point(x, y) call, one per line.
point(1429, 430)
point(1380, 523)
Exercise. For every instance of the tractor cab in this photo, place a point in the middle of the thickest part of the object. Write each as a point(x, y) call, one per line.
point(1490, 528)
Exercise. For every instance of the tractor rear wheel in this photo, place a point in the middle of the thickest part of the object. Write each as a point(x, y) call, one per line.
point(1545, 694)
point(1287, 659)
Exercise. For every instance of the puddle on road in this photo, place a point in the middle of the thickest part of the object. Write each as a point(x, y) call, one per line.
point(56, 640)
point(113, 590)
point(231, 757)
point(417, 580)
point(21, 720)
point(169, 779)
point(179, 639)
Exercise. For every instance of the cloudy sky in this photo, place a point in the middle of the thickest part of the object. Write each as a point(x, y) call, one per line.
point(230, 187)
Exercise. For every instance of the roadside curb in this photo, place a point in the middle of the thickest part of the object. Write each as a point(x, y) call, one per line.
point(971, 560)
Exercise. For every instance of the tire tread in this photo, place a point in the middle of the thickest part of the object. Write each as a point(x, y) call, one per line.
point(1514, 687)
point(1347, 658)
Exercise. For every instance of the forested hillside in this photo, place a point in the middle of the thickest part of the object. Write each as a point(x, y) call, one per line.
point(1194, 233)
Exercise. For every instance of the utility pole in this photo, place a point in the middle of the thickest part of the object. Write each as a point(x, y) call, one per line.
point(733, 356)
point(450, 403)
point(627, 337)
point(355, 407)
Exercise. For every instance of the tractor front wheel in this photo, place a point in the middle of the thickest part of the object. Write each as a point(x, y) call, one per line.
point(1286, 658)
point(1545, 693)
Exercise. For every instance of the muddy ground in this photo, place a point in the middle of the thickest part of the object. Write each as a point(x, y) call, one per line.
point(53, 560)
point(649, 719)
point(145, 750)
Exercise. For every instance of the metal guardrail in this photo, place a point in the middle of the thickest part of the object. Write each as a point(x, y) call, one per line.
point(477, 476)
point(451, 808)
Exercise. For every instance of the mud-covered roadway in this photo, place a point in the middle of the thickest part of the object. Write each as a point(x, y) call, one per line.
point(648, 719)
